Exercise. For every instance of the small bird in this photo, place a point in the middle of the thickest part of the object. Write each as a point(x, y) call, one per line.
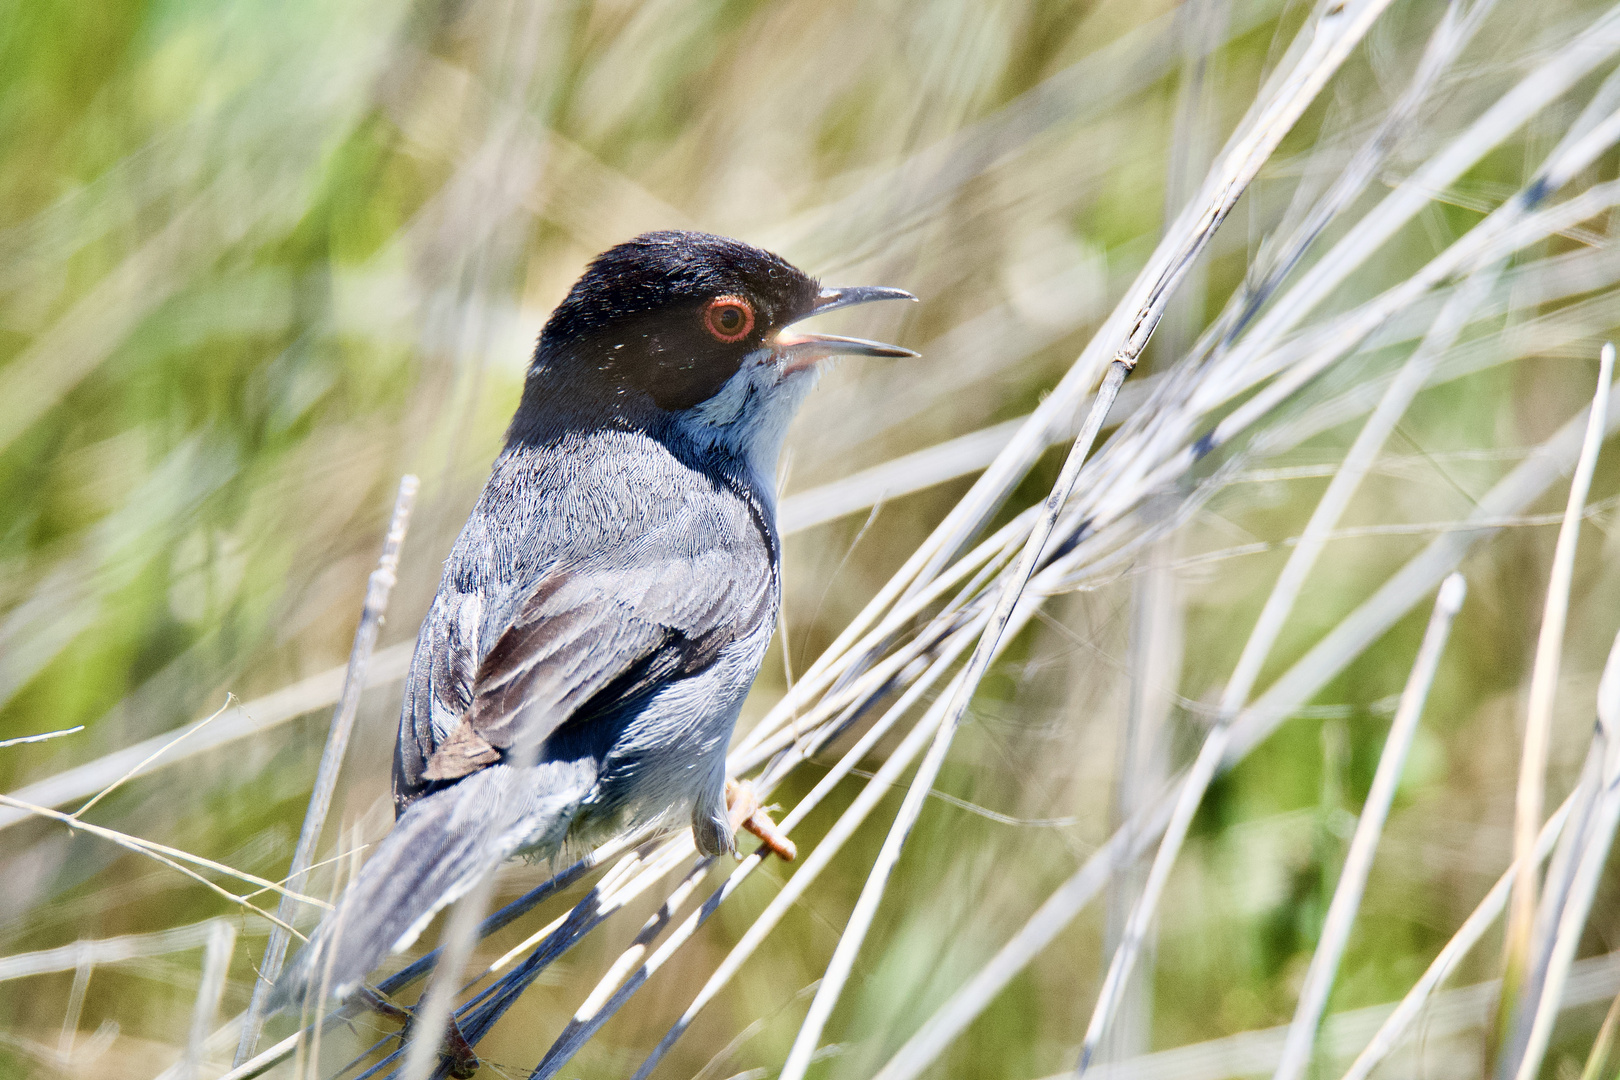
point(610, 599)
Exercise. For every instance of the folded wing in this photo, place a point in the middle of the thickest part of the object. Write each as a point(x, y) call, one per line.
point(592, 633)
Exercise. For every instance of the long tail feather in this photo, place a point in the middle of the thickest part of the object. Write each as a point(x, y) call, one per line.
point(435, 852)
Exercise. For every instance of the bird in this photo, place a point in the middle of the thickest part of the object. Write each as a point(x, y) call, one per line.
point(607, 606)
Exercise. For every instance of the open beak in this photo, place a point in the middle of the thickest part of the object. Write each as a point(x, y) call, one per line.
point(801, 350)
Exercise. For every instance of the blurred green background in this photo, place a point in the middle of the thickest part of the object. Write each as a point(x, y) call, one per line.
point(259, 259)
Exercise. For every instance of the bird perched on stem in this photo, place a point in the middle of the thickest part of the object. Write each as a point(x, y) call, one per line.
point(610, 600)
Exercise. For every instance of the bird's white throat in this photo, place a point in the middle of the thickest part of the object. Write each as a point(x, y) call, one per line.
point(750, 415)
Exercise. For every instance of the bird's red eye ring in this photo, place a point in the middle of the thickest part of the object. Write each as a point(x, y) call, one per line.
point(728, 318)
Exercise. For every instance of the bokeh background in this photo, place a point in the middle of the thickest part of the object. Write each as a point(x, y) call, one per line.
point(258, 260)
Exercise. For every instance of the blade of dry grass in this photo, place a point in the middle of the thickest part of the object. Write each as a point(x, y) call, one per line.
point(171, 857)
point(1346, 900)
point(98, 951)
point(1157, 643)
point(75, 1008)
point(1515, 1013)
point(1302, 360)
point(1595, 853)
point(1597, 1061)
point(1126, 479)
point(1504, 230)
point(44, 736)
point(1453, 33)
point(1550, 80)
point(154, 755)
point(1188, 796)
point(210, 989)
point(378, 587)
point(633, 876)
point(623, 882)
point(619, 981)
point(1570, 928)
point(1237, 375)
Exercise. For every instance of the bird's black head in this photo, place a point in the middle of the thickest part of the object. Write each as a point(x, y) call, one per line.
point(669, 318)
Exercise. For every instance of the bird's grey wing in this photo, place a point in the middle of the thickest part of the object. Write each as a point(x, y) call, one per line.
point(587, 638)
point(438, 688)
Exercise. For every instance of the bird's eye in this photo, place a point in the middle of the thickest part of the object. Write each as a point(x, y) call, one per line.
point(728, 318)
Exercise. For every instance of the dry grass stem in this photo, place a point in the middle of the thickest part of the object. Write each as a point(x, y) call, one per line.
point(1597, 1061)
point(1341, 916)
point(154, 755)
point(94, 952)
point(171, 857)
point(215, 967)
point(378, 587)
point(45, 736)
point(1577, 903)
point(1514, 1024)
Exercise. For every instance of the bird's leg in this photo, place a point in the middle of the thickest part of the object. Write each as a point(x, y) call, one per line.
point(746, 813)
point(456, 1052)
point(383, 1005)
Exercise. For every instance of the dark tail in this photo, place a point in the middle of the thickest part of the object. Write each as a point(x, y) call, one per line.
point(434, 854)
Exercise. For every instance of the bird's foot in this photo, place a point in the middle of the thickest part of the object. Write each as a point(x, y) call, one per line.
point(747, 814)
point(383, 1005)
point(456, 1053)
